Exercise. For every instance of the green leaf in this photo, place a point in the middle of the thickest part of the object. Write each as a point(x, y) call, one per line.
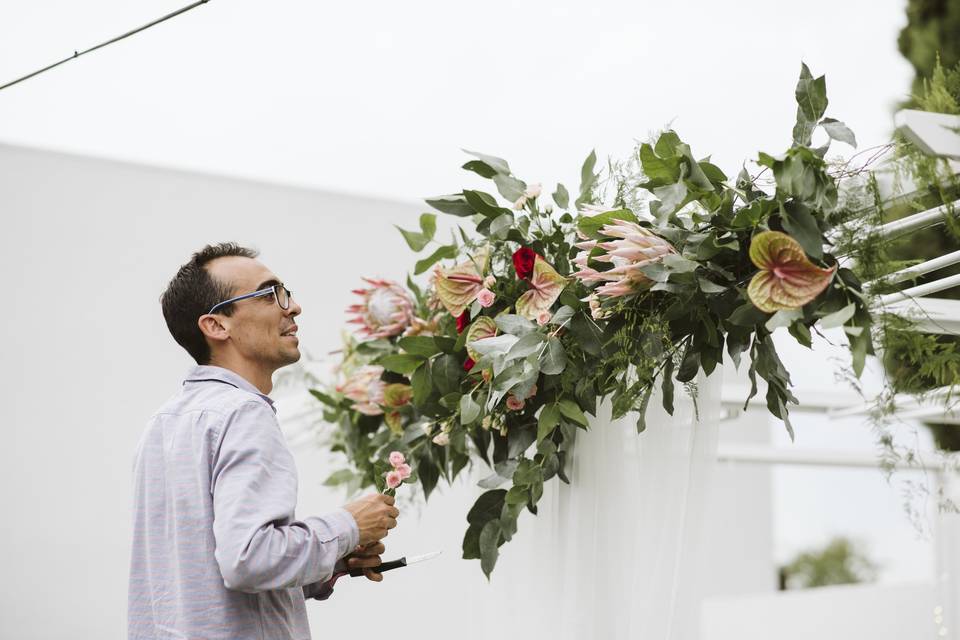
point(419, 345)
point(454, 204)
point(446, 372)
point(489, 543)
point(444, 252)
point(483, 203)
point(324, 398)
point(403, 363)
point(689, 365)
point(527, 344)
point(561, 197)
point(642, 409)
point(782, 319)
point(514, 324)
point(501, 225)
point(591, 225)
point(487, 507)
point(838, 318)
point(497, 164)
point(415, 240)
point(509, 187)
point(548, 420)
point(589, 336)
point(587, 178)
point(471, 542)
point(659, 171)
point(480, 168)
point(422, 385)
point(800, 223)
point(554, 359)
point(570, 410)
point(839, 131)
point(339, 477)
point(469, 410)
point(668, 386)
point(811, 97)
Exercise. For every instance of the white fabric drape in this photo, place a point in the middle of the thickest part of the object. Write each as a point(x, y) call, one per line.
point(614, 554)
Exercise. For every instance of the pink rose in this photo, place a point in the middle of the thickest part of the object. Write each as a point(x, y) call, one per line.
point(514, 403)
point(544, 318)
point(404, 470)
point(486, 297)
point(396, 459)
point(394, 480)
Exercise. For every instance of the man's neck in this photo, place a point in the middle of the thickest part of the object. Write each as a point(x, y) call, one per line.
point(257, 376)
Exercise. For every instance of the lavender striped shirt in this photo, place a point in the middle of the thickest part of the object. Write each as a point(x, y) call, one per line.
point(217, 550)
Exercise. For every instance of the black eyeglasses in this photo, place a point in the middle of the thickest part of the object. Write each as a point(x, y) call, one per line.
point(280, 292)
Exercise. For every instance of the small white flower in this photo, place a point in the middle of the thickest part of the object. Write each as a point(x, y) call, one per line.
point(533, 191)
point(441, 439)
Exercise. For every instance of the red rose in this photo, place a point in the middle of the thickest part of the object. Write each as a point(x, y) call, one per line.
point(523, 259)
point(468, 364)
point(463, 320)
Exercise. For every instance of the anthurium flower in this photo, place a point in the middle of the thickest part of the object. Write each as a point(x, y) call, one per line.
point(458, 286)
point(546, 285)
point(482, 327)
point(397, 394)
point(787, 279)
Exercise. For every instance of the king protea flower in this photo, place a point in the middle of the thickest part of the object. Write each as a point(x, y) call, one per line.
point(629, 248)
point(366, 389)
point(386, 310)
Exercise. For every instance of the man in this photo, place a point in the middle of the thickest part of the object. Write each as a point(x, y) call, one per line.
point(217, 551)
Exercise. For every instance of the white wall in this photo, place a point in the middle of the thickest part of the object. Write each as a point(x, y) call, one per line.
point(86, 249)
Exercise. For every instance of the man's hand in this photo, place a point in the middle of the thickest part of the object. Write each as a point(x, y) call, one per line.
point(365, 558)
point(375, 516)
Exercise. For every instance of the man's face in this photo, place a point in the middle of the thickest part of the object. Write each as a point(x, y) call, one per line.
point(260, 331)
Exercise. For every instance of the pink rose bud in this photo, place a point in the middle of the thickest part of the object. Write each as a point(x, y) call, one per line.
point(485, 297)
point(533, 191)
point(487, 375)
point(514, 403)
point(394, 480)
point(441, 439)
point(396, 459)
point(544, 318)
point(489, 281)
point(520, 203)
point(404, 470)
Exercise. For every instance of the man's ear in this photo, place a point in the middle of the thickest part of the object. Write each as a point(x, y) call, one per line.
point(212, 328)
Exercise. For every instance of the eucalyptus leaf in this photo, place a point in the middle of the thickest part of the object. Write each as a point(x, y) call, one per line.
point(444, 252)
point(497, 164)
point(561, 197)
point(554, 359)
point(839, 131)
point(469, 410)
point(838, 318)
point(514, 324)
point(529, 343)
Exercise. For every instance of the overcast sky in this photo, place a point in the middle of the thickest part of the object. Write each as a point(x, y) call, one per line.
point(378, 97)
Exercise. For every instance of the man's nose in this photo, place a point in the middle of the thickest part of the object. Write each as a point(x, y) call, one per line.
point(295, 309)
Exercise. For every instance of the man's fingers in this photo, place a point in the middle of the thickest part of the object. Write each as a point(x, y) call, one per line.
point(387, 499)
point(391, 523)
point(393, 512)
point(364, 562)
point(373, 575)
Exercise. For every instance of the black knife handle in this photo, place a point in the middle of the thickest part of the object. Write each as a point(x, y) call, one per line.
point(384, 566)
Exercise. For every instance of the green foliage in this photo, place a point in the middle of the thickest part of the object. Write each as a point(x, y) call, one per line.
point(532, 387)
point(930, 33)
point(838, 562)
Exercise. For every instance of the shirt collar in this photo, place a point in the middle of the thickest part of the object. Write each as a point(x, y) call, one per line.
point(209, 372)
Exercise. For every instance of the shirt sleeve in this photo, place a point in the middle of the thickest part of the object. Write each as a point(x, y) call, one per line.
point(259, 545)
point(323, 590)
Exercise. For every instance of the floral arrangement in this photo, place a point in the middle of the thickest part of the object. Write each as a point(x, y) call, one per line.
point(546, 308)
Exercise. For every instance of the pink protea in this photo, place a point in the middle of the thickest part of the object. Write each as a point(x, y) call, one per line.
point(396, 459)
point(386, 310)
point(366, 390)
point(631, 248)
point(393, 479)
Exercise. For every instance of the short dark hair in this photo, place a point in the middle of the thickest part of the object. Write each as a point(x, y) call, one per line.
point(193, 292)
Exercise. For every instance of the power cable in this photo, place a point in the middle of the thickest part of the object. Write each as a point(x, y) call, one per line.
point(77, 54)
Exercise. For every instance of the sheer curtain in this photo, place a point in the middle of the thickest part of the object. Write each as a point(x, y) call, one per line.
point(614, 554)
